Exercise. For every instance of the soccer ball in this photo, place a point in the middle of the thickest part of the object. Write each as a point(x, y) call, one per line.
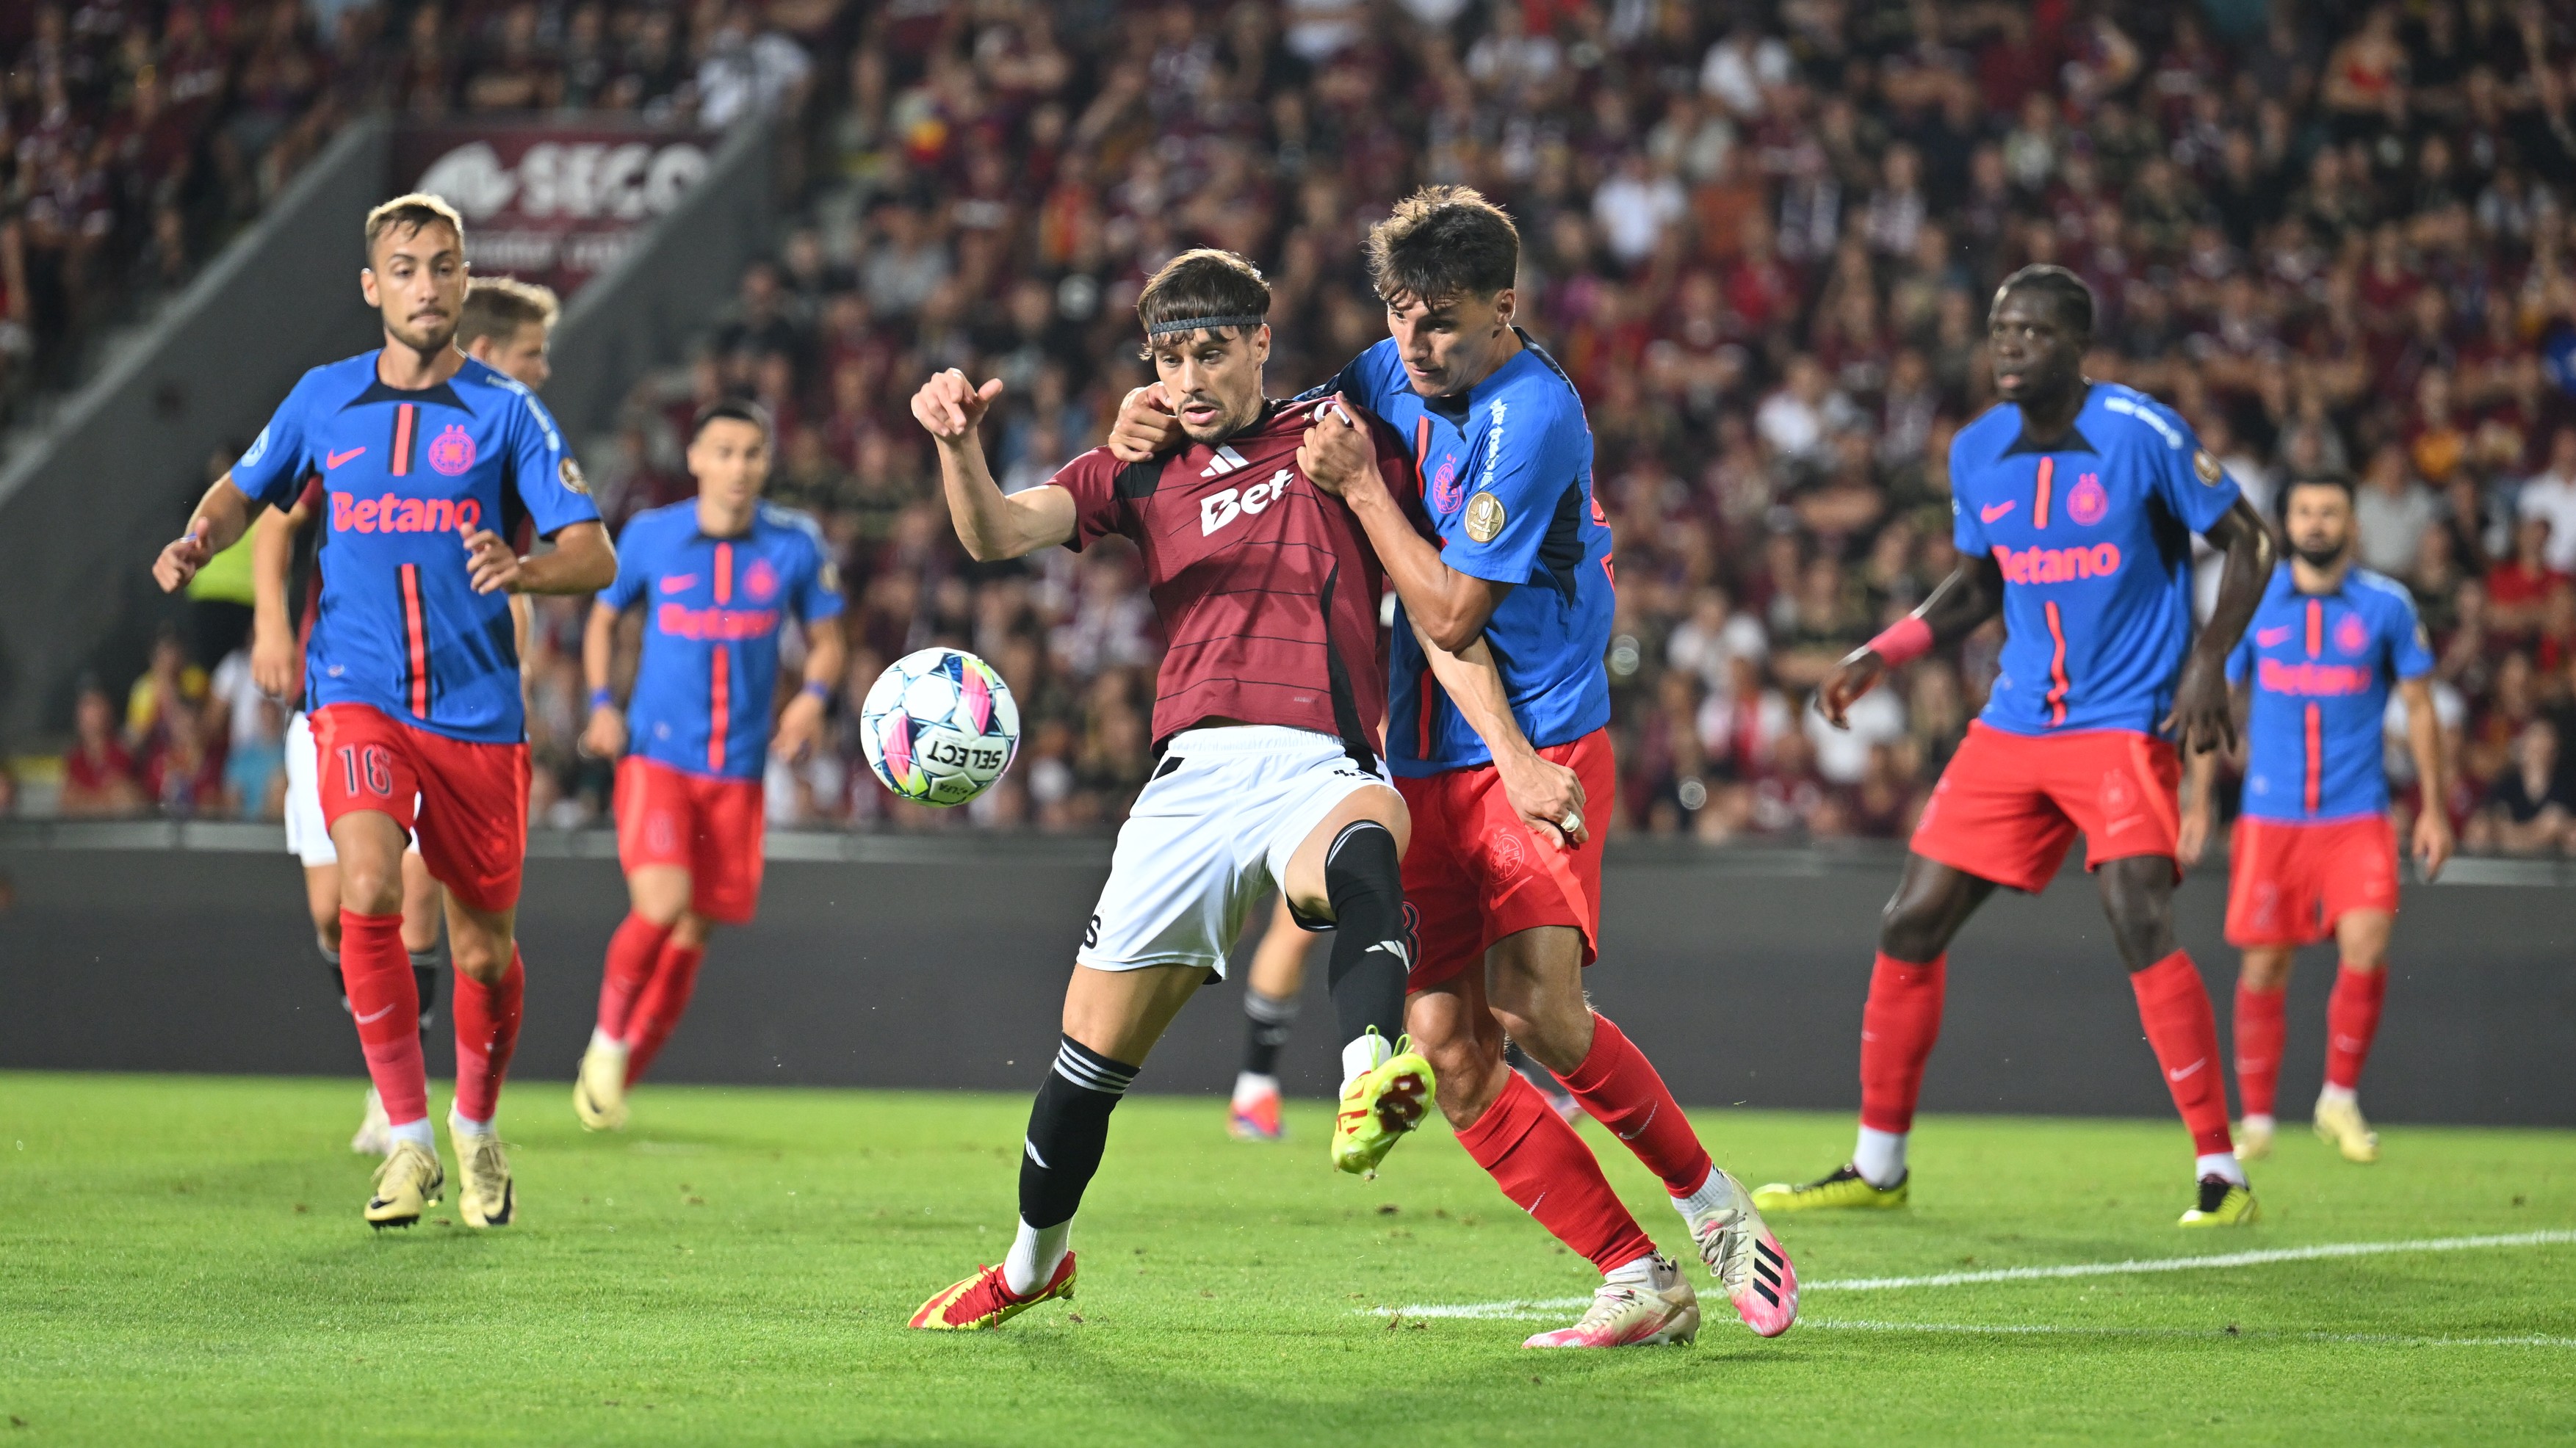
point(939, 726)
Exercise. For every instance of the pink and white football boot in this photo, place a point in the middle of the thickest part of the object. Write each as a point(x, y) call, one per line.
point(1628, 1314)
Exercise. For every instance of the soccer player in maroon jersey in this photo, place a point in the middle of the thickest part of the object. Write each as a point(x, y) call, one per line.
point(410, 678)
point(1265, 725)
point(506, 324)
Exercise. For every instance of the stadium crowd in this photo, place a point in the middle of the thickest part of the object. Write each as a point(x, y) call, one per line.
point(1759, 237)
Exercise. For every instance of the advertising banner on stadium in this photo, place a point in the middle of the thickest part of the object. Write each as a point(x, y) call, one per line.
point(547, 202)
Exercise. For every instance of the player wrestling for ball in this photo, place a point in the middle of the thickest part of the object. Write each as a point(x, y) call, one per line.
point(1265, 721)
point(2073, 505)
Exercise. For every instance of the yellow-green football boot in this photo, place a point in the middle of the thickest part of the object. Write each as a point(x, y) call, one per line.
point(1380, 1105)
point(1845, 1188)
point(2223, 1203)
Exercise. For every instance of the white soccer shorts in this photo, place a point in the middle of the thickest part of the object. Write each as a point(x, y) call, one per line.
point(1211, 833)
point(307, 838)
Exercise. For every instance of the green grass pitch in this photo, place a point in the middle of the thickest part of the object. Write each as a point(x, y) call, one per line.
point(181, 1261)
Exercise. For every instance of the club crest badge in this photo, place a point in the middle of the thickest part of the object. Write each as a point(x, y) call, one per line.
point(452, 451)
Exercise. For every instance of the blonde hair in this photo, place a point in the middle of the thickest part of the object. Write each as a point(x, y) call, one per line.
point(499, 306)
point(411, 213)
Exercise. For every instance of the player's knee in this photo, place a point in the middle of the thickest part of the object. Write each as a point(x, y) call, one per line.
point(370, 889)
point(2266, 970)
point(478, 958)
point(1909, 929)
point(689, 931)
point(1467, 1080)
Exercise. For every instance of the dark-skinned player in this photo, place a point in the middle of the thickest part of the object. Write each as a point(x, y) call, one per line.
point(2074, 504)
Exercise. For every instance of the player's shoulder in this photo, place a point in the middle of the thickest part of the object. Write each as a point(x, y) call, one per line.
point(1984, 438)
point(2132, 417)
point(345, 378)
point(2381, 591)
point(653, 525)
point(794, 522)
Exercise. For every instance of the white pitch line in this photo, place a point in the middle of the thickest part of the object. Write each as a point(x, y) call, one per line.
point(2378, 1339)
point(2328, 1250)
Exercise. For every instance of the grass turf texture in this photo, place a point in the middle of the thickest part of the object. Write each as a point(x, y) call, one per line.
point(181, 1260)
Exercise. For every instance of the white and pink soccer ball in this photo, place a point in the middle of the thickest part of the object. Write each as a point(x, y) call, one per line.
point(939, 726)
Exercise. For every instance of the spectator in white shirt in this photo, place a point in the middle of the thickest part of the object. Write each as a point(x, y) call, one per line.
point(1740, 68)
point(2392, 512)
point(1634, 207)
point(2551, 494)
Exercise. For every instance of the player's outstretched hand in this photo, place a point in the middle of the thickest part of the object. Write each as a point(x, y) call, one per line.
point(1546, 794)
point(2201, 719)
point(800, 728)
point(2432, 839)
point(604, 737)
point(952, 407)
point(1856, 675)
point(490, 562)
point(1145, 426)
point(1335, 452)
point(182, 557)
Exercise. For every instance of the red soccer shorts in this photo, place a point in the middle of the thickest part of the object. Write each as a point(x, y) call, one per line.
point(710, 827)
point(2289, 883)
point(1476, 873)
point(2009, 805)
point(466, 804)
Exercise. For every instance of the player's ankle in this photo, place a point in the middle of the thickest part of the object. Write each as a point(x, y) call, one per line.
point(1365, 1054)
point(1879, 1156)
point(2219, 1164)
point(1632, 1274)
point(601, 1040)
point(2332, 1095)
point(2260, 1121)
point(464, 1125)
point(418, 1133)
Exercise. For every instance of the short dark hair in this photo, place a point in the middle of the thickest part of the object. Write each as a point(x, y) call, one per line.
point(733, 409)
point(410, 213)
point(500, 306)
point(1443, 242)
point(1204, 283)
point(2074, 298)
point(2323, 479)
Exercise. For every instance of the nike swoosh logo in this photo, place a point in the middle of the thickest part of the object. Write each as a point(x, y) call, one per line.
point(2186, 1071)
point(337, 458)
point(2119, 825)
point(1642, 1125)
point(378, 1016)
point(1989, 514)
point(2272, 637)
point(679, 582)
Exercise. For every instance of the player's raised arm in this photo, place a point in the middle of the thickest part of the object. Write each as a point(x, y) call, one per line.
point(1973, 593)
point(1447, 607)
point(272, 627)
point(2202, 718)
point(217, 524)
point(992, 526)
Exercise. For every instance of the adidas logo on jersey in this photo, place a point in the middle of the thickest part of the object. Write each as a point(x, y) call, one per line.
point(1227, 460)
point(1220, 508)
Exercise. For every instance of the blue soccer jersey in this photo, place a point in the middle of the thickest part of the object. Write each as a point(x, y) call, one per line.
point(713, 610)
point(406, 475)
point(1505, 473)
point(2321, 665)
point(2094, 538)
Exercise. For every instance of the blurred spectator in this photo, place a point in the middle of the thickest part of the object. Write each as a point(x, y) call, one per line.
point(2550, 496)
point(98, 774)
point(2529, 811)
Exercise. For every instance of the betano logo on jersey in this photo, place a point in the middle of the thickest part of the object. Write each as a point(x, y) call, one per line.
point(2314, 681)
point(391, 514)
point(678, 620)
point(1220, 508)
point(2057, 565)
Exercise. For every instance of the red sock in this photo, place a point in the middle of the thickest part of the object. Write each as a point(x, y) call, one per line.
point(631, 954)
point(385, 1002)
point(2352, 1018)
point(1619, 1086)
point(487, 1032)
point(1897, 1029)
point(2184, 1032)
point(2260, 1030)
point(658, 1009)
point(1545, 1168)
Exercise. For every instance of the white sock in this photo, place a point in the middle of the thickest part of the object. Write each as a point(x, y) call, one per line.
point(2218, 1164)
point(2259, 1123)
point(1249, 1087)
point(415, 1132)
point(1034, 1254)
point(1364, 1055)
point(1632, 1274)
point(1880, 1156)
point(2332, 1095)
point(1711, 1195)
point(600, 1038)
point(469, 1125)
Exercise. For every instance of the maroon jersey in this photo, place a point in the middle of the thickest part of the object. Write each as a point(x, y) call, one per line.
point(1266, 586)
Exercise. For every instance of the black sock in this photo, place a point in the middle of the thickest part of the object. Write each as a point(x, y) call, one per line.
point(1068, 1128)
point(1372, 939)
point(424, 976)
point(331, 962)
point(1271, 1017)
